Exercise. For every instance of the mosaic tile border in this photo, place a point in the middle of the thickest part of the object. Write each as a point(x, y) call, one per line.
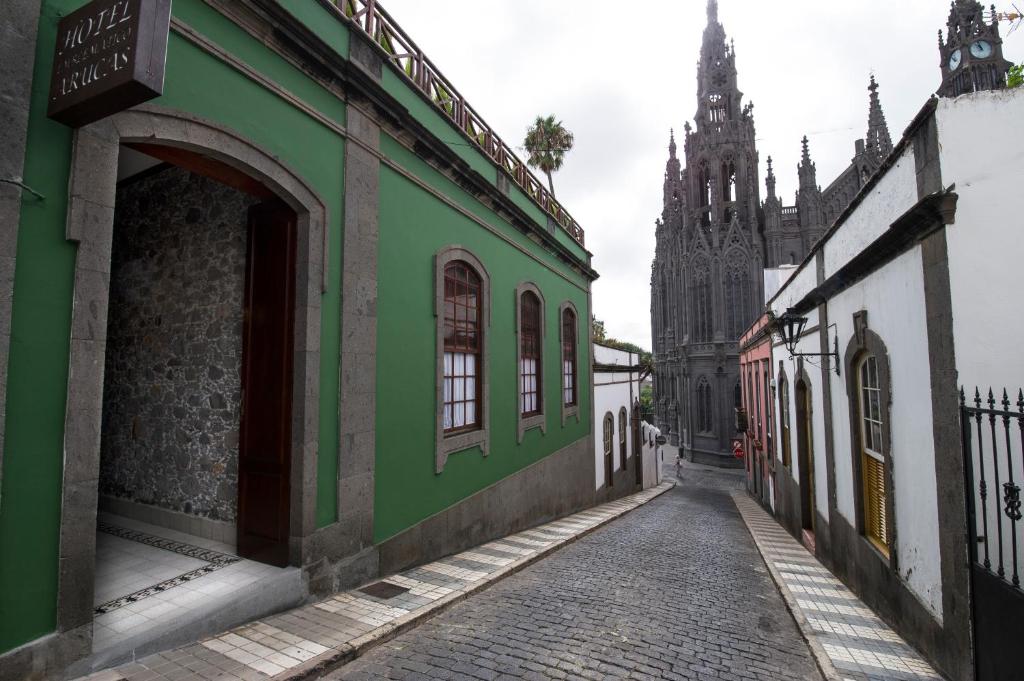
point(306, 641)
point(215, 560)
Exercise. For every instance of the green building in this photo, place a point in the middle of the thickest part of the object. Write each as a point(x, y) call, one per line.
point(304, 304)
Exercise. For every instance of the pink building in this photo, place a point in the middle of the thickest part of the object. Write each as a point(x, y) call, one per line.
point(757, 388)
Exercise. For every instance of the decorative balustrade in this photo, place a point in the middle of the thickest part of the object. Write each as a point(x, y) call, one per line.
point(376, 23)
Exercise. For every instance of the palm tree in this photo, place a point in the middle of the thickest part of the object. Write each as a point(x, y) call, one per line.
point(547, 142)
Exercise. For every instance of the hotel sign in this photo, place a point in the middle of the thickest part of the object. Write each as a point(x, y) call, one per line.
point(110, 55)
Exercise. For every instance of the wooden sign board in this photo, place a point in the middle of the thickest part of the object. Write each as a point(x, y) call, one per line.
point(110, 55)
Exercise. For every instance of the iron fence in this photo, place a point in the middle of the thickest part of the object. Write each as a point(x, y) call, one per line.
point(369, 17)
point(993, 440)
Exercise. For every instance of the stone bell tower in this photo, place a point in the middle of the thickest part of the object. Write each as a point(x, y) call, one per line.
point(971, 56)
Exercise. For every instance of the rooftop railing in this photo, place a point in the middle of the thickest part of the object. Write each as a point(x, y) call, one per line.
point(372, 20)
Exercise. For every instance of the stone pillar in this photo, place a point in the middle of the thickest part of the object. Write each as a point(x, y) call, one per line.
point(358, 400)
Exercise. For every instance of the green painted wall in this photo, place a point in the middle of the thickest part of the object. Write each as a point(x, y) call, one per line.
point(37, 380)
point(414, 225)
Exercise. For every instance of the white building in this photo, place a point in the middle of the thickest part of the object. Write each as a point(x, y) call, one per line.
point(917, 286)
point(619, 434)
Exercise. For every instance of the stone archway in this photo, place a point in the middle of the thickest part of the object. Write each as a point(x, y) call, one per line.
point(90, 222)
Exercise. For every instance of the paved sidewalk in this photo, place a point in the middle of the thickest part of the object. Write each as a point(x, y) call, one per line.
point(849, 640)
point(304, 642)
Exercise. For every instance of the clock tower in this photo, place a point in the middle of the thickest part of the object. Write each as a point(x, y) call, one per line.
point(972, 52)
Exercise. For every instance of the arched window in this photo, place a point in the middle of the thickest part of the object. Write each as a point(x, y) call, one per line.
point(702, 325)
point(463, 346)
point(871, 422)
point(737, 302)
point(784, 421)
point(609, 433)
point(529, 355)
point(703, 185)
point(622, 437)
point(462, 294)
point(705, 413)
point(530, 332)
point(728, 181)
point(568, 357)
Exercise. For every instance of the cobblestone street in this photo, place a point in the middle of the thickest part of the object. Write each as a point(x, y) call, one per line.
point(673, 590)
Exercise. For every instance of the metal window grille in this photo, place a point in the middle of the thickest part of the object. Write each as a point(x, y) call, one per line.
point(462, 347)
point(529, 355)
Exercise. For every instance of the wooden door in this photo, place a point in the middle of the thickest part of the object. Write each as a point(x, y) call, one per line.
point(264, 453)
point(805, 454)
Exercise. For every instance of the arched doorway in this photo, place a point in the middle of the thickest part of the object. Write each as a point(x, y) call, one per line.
point(805, 454)
point(282, 264)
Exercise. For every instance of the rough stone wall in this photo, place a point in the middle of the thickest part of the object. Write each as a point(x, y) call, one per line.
point(172, 386)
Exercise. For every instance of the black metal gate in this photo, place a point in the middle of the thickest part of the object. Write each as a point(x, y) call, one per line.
point(993, 437)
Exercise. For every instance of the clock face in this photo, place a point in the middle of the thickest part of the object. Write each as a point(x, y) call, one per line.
point(954, 60)
point(981, 49)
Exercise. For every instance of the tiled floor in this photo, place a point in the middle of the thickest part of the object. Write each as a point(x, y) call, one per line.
point(276, 646)
point(149, 577)
point(859, 645)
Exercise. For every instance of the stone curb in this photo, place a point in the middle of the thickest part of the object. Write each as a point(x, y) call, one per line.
point(821, 658)
point(347, 652)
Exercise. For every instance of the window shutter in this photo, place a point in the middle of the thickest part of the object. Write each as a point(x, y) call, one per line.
point(874, 502)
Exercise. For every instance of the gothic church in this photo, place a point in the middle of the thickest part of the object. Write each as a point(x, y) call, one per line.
point(715, 235)
point(714, 240)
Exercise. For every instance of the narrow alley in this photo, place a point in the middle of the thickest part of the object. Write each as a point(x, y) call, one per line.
point(673, 590)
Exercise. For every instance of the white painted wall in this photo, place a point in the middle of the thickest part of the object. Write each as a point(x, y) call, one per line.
point(612, 393)
point(983, 155)
point(774, 278)
point(894, 299)
point(652, 460)
point(890, 198)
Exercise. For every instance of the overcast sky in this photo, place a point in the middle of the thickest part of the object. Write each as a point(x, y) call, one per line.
point(620, 74)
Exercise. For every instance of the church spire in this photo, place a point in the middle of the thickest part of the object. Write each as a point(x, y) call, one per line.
point(878, 141)
point(719, 100)
point(806, 169)
point(769, 180)
point(672, 190)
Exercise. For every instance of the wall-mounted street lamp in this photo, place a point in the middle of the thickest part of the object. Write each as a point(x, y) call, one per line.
point(791, 327)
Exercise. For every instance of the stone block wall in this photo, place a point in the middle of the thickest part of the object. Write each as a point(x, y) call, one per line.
point(172, 386)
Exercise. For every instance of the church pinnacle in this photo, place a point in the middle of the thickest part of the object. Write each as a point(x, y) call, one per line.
point(806, 169)
point(878, 140)
point(712, 10)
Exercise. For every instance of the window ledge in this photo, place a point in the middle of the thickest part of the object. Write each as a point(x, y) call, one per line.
point(570, 410)
point(459, 442)
point(530, 422)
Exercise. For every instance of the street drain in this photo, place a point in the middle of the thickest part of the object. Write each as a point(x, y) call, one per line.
point(384, 590)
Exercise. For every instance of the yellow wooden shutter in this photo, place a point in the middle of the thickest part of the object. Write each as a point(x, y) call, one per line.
point(875, 527)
